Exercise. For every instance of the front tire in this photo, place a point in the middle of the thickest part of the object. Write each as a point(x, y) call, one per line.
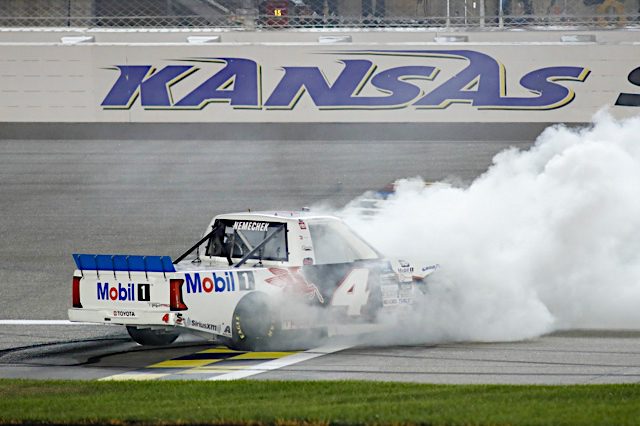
point(150, 337)
point(254, 324)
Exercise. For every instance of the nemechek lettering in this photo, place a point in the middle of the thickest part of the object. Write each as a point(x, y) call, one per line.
point(482, 83)
point(251, 226)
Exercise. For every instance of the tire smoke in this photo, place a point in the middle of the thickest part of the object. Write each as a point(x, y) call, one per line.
point(547, 238)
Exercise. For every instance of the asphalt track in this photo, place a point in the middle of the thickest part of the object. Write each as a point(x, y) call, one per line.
point(155, 197)
point(106, 353)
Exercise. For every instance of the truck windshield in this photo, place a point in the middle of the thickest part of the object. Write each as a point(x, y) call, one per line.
point(334, 242)
point(237, 238)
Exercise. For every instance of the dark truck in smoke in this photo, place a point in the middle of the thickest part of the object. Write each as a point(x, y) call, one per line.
point(253, 281)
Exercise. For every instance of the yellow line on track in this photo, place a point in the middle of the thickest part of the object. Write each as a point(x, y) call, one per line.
point(203, 366)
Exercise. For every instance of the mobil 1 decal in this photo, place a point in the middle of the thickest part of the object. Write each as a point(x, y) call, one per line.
point(129, 292)
point(219, 281)
point(631, 99)
point(237, 82)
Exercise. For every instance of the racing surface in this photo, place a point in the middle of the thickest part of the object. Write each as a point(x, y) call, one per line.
point(106, 353)
point(156, 197)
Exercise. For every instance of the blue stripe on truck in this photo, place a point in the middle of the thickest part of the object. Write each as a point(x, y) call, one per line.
point(123, 262)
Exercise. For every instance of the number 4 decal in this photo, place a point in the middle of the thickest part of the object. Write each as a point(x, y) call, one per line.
point(353, 292)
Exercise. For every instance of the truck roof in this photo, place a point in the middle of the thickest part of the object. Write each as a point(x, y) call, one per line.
point(271, 215)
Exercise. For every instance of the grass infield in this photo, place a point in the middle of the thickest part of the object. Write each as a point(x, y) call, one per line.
point(308, 403)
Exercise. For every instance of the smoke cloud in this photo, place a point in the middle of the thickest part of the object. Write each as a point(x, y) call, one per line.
point(548, 238)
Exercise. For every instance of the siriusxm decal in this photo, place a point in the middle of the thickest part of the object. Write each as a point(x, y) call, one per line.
point(482, 84)
point(219, 282)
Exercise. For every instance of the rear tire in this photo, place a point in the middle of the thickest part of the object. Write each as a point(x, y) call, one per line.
point(254, 324)
point(150, 337)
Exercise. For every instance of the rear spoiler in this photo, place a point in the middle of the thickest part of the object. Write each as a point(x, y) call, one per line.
point(123, 262)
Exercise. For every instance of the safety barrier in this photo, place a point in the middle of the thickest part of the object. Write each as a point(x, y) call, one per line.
point(321, 14)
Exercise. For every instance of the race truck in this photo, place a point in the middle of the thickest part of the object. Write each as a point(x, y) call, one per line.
point(254, 281)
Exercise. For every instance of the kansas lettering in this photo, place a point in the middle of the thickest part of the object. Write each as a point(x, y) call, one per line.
point(482, 84)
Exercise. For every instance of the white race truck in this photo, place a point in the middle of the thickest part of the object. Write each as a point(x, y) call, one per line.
point(253, 281)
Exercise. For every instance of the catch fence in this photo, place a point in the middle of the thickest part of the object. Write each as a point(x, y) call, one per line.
point(321, 14)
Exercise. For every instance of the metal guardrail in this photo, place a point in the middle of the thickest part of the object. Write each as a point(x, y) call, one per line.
point(286, 14)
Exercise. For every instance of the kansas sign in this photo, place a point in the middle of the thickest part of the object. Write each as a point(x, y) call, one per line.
point(481, 83)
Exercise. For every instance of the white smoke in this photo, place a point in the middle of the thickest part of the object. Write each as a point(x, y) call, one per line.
point(548, 238)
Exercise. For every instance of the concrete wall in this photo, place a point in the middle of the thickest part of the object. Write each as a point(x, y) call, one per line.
point(390, 77)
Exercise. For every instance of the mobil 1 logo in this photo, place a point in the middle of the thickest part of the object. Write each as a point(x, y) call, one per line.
point(129, 292)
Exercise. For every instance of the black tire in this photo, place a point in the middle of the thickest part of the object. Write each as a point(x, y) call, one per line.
point(149, 337)
point(255, 324)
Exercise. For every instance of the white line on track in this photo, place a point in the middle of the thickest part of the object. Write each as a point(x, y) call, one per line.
point(281, 362)
point(42, 322)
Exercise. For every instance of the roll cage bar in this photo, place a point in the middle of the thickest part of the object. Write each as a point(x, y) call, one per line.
point(213, 233)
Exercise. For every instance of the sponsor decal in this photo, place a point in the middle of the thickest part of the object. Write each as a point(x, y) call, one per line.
point(246, 281)
point(205, 326)
point(251, 226)
point(219, 282)
point(291, 281)
point(213, 328)
point(397, 301)
point(404, 268)
point(129, 292)
point(124, 314)
point(482, 84)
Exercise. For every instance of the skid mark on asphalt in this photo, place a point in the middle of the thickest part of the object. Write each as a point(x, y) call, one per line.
point(206, 364)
